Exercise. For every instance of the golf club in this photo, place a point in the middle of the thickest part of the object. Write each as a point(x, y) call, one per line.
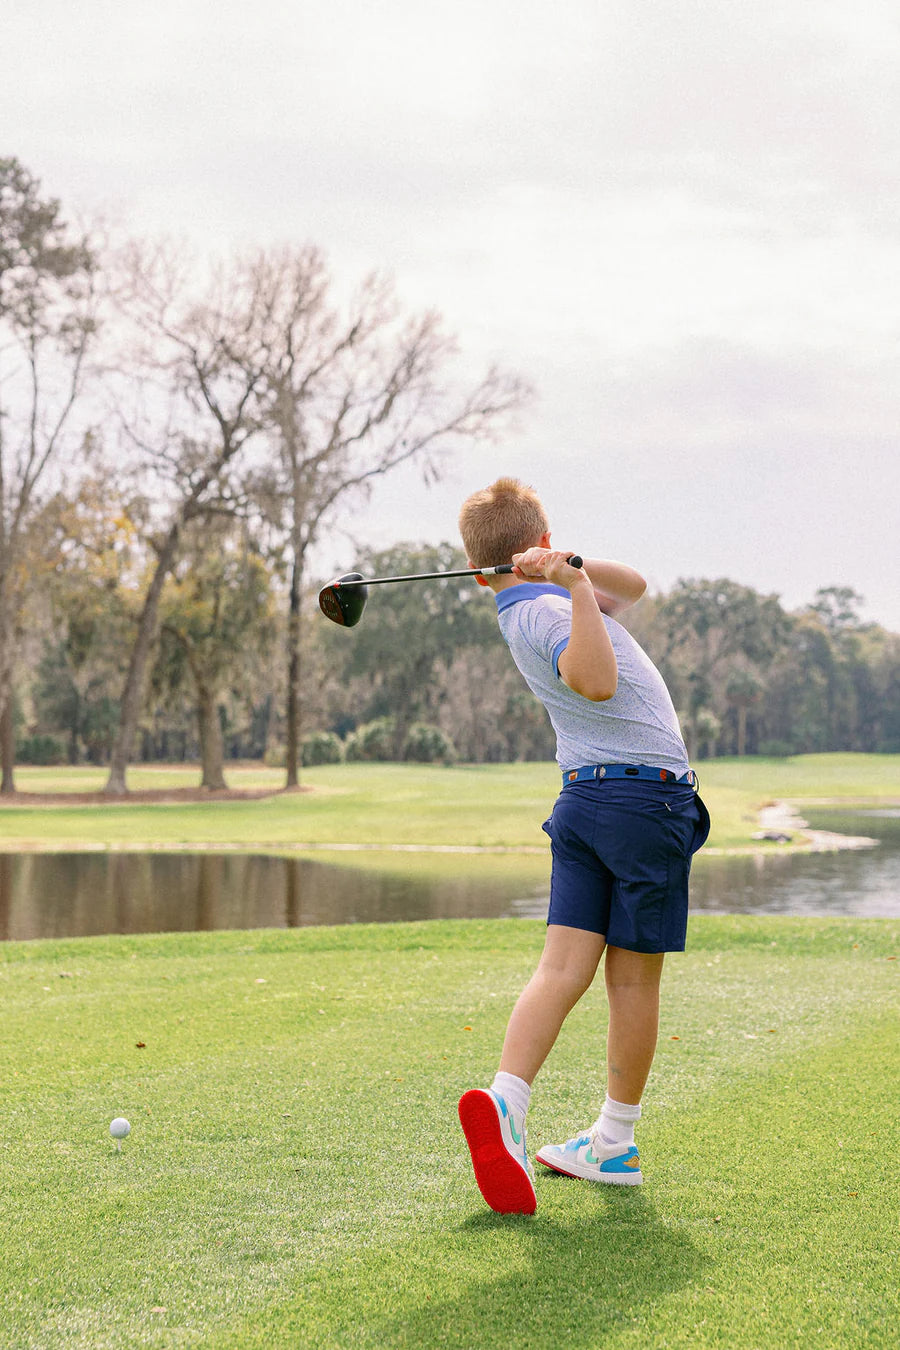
point(343, 601)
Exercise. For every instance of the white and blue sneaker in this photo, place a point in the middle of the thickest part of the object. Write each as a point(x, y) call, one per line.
point(589, 1158)
point(496, 1138)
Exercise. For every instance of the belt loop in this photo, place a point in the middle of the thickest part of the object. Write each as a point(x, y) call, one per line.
point(599, 770)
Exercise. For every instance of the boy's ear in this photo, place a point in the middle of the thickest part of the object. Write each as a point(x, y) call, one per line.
point(482, 581)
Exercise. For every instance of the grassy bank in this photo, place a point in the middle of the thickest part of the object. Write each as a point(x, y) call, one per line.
point(380, 804)
point(295, 1176)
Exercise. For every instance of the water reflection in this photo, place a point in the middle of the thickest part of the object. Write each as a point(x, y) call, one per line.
point(864, 882)
point(84, 894)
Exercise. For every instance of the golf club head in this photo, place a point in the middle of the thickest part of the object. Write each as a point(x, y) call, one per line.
point(344, 605)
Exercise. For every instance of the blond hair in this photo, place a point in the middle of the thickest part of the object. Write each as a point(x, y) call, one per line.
point(501, 520)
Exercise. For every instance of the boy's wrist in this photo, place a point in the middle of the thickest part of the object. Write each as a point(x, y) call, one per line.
point(577, 581)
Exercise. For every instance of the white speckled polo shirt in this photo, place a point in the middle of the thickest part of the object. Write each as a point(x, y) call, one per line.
point(637, 725)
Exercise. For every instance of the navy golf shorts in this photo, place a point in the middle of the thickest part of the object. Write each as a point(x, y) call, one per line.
point(622, 854)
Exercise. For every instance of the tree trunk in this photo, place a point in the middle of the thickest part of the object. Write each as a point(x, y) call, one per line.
point(74, 729)
point(7, 650)
point(212, 748)
point(133, 692)
point(742, 729)
point(7, 748)
point(292, 747)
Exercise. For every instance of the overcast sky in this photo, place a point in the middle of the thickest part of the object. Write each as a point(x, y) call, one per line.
point(680, 219)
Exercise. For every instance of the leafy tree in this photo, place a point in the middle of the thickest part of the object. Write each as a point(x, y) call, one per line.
point(708, 729)
point(837, 608)
point(217, 622)
point(429, 652)
point(743, 688)
point(48, 321)
point(705, 630)
point(91, 580)
point(409, 633)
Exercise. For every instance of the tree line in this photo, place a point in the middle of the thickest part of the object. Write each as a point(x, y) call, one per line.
point(746, 675)
point(425, 676)
point(173, 441)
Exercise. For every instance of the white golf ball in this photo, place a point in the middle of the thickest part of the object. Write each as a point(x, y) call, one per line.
point(119, 1128)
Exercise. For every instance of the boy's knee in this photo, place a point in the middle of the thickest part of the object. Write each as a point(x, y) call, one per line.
point(627, 969)
point(570, 959)
point(575, 976)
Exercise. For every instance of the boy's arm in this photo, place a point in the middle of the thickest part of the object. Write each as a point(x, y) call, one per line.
point(588, 664)
point(616, 586)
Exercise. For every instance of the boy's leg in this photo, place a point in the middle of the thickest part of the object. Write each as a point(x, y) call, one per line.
point(494, 1121)
point(632, 987)
point(565, 971)
point(606, 1151)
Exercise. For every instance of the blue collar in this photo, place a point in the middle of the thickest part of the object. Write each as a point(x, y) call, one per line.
point(527, 590)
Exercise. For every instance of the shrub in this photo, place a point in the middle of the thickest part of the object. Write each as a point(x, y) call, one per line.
point(372, 741)
point(775, 749)
point(426, 744)
point(321, 747)
point(41, 749)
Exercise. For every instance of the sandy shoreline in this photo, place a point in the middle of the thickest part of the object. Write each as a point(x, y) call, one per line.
point(783, 818)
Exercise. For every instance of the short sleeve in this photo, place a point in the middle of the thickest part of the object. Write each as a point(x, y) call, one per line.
point(547, 627)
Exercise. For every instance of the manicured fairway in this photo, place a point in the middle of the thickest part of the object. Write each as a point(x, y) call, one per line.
point(495, 805)
point(295, 1177)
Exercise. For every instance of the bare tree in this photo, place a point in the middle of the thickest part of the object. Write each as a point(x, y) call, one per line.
point(48, 319)
point(197, 369)
point(351, 392)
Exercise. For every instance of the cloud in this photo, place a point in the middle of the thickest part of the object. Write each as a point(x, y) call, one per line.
point(680, 219)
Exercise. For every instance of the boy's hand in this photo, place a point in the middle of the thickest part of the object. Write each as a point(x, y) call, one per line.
point(548, 564)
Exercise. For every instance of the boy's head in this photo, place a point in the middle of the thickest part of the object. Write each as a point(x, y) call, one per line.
point(501, 520)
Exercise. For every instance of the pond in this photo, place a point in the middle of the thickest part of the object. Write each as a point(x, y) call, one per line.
point(47, 895)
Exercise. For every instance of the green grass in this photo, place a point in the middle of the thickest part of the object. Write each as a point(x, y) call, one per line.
point(498, 805)
point(845, 776)
point(295, 1176)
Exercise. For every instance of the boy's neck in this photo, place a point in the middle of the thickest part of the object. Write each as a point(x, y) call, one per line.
point(507, 579)
point(503, 582)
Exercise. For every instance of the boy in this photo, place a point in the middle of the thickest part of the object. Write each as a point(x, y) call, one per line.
point(622, 832)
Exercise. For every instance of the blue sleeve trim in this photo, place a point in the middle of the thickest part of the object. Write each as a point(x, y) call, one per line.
point(557, 653)
point(527, 590)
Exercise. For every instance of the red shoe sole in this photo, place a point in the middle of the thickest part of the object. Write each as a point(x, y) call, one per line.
point(503, 1182)
point(552, 1167)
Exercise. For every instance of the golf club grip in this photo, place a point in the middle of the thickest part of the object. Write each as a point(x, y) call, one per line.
point(574, 560)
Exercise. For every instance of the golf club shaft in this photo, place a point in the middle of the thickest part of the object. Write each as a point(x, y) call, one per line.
point(503, 570)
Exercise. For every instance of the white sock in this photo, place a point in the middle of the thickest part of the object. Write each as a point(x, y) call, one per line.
point(514, 1091)
point(615, 1124)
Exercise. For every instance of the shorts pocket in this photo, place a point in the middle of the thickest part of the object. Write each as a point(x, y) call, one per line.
point(702, 828)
